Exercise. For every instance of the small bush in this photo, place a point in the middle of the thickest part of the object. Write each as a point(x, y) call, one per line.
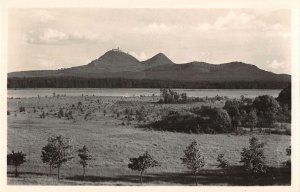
point(69, 115)
point(42, 116)
point(60, 113)
point(142, 163)
point(253, 157)
point(87, 115)
point(22, 109)
point(223, 163)
point(141, 114)
point(239, 131)
point(16, 159)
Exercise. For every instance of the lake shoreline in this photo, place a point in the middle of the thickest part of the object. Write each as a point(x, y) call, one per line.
point(124, 92)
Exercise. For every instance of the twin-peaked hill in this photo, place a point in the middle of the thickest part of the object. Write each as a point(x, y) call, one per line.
point(117, 64)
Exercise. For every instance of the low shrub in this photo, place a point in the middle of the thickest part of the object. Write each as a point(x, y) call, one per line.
point(223, 163)
point(42, 116)
point(60, 113)
point(196, 120)
point(22, 109)
point(239, 131)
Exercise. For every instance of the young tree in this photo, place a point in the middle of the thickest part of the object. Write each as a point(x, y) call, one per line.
point(253, 157)
point(193, 159)
point(16, 159)
point(48, 153)
point(58, 152)
point(142, 163)
point(84, 156)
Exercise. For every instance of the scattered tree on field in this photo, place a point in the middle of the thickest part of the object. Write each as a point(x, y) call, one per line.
point(57, 152)
point(253, 157)
point(84, 156)
point(48, 153)
point(142, 163)
point(193, 159)
point(16, 159)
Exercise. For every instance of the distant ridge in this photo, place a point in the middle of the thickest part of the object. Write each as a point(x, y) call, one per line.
point(118, 64)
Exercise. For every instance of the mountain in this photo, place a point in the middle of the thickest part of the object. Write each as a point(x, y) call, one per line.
point(117, 64)
point(157, 60)
point(200, 71)
point(115, 61)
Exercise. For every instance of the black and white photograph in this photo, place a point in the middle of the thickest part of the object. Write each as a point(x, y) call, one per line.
point(149, 97)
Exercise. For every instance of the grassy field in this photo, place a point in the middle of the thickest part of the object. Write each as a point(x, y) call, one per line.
point(101, 124)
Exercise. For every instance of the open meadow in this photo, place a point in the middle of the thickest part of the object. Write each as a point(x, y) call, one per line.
point(109, 127)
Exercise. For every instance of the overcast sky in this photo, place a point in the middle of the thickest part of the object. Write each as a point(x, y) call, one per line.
point(61, 38)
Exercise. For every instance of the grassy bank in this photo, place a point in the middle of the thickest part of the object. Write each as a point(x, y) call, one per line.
point(113, 139)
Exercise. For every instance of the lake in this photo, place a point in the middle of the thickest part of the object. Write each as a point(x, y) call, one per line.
point(125, 92)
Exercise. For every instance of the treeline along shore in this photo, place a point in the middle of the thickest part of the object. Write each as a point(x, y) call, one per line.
point(78, 82)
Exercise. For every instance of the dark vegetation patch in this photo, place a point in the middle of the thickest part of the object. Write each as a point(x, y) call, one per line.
point(263, 112)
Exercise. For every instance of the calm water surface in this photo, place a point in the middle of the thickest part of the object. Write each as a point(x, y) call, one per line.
point(231, 93)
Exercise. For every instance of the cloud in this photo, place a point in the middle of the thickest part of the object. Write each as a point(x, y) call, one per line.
point(153, 28)
point(53, 36)
point(274, 64)
point(235, 20)
point(46, 36)
point(204, 27)
point(43, 15)
point(279, 66)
